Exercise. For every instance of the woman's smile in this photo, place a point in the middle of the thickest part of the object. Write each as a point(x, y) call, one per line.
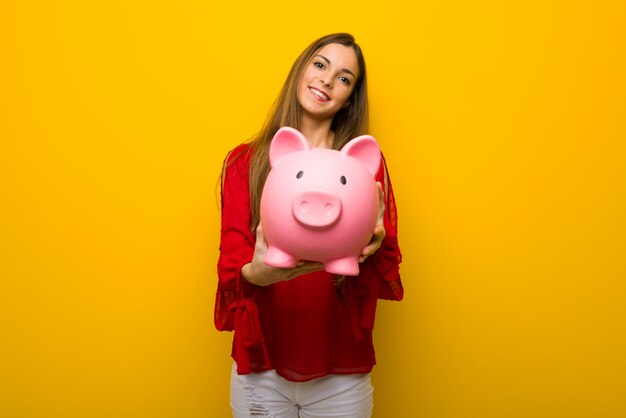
point(319, 95)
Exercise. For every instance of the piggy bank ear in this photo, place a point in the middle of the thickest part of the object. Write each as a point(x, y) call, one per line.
point(285, 141)
point(365, 149)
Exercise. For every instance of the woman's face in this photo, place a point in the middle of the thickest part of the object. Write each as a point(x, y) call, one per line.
point(328, 80)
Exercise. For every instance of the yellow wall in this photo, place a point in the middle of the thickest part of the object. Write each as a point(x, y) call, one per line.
point(504, 126)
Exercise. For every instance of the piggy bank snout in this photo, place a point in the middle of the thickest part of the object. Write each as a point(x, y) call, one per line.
point(317, 208)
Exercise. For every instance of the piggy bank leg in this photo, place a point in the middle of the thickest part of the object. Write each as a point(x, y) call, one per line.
point(275, 257)
point(348, 266)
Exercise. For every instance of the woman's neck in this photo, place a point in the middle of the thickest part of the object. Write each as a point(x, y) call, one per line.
point(318, 132)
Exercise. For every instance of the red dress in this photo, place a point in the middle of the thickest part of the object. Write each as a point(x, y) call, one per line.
point(307, 327)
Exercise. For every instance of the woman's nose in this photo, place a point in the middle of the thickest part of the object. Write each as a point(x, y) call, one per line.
point(325, 83)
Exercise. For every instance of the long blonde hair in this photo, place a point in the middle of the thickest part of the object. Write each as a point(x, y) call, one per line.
point(349, 122)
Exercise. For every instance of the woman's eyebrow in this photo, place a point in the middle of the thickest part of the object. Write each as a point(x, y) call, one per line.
point(343, 69)
point(324, 58)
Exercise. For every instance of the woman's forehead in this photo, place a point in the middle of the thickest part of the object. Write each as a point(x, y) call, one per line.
point(341, 56)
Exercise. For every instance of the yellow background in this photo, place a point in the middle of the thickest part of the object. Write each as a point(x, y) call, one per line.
point(504, 124)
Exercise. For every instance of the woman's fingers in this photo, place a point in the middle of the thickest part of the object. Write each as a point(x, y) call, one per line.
point(260, 246)
point(381, 202)
point(379, 231)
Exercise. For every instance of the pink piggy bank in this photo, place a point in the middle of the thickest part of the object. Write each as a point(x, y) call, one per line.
point(319, 204)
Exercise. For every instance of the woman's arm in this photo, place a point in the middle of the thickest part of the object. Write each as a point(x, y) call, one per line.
point(241, 271)
point(236, 240)
point(386, 258)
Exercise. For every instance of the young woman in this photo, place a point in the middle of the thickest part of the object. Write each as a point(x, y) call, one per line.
point(303, 337)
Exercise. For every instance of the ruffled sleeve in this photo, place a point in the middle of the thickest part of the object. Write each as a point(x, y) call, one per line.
point(380, 273)
point(386, 261)
point(236, 299)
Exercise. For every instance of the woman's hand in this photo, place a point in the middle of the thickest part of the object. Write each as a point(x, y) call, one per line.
point(379, 230)
point(260, 274)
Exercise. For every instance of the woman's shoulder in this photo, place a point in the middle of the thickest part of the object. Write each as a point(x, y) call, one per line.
point(241, 154)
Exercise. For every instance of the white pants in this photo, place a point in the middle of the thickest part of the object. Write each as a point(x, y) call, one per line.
point(266, 394)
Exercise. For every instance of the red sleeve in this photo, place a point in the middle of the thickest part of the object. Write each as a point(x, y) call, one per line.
point(236, 299)
point(236, 242)
point(386, 261)
point(379, 276)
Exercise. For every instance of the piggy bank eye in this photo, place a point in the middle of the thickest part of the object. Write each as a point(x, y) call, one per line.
point(343, 180)
point(300, 174)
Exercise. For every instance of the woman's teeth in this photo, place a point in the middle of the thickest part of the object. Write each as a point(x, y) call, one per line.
point(320, 94)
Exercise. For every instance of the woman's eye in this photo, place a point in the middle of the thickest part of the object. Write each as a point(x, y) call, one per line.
point(318, 64)
point(345, 80)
